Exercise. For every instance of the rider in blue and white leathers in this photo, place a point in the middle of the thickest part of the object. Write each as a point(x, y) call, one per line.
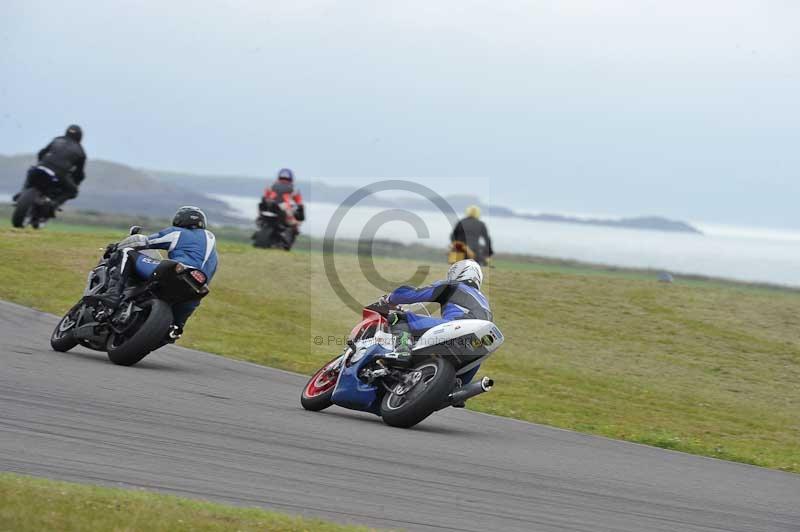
point(187, 241)
point(192, 247)
point(459, 295)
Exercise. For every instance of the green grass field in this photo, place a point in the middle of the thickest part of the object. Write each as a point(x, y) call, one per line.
point(705, 367)
point(32, 505)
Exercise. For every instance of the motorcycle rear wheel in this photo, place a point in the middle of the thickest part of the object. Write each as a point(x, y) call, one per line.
point(24, 205)
point(263, 237)
point(422, 399)
point(149, 336)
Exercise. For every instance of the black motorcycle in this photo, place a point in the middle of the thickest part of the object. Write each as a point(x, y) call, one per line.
point(141, 322)
point(34, 205)
point(276, 227)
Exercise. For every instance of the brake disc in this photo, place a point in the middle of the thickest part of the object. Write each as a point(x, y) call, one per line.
point(409, 381)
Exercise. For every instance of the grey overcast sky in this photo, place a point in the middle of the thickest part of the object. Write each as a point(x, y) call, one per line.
point(681, 108)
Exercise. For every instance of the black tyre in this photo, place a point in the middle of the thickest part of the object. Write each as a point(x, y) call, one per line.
point(286, 239)
point(146, 334)
point(63, 337)
point(24, 204)
point(317, 393)
point(263, 237)
point(407, 405)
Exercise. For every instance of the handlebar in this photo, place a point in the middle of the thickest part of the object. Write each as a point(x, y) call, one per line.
point(110, 250)
point(382, 307)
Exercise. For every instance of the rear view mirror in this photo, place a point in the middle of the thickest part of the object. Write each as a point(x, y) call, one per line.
point(135, 230)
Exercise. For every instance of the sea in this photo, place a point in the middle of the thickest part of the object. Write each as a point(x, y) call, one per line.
point(739, 253)
point(724, 251)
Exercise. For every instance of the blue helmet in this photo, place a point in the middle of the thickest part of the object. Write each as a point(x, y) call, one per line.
point(286, 174)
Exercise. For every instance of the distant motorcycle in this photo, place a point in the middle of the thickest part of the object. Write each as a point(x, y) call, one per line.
point(141, 322)
point(34, 206)
point(278, 225)
point(363, 378)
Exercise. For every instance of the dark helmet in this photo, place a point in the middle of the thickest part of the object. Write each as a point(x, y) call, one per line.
point(190, 218)
point(74, 132)
point(286, 174)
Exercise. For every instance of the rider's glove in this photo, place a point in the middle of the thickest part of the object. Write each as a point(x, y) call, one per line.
point(382, 305)
point(133, 241)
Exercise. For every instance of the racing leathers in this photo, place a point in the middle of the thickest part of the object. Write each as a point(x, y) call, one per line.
point(458, 300)
point(289, 202)
point(63, 161)
point(192, 247)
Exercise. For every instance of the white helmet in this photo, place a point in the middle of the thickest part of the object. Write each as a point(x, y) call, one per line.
point(466, 270)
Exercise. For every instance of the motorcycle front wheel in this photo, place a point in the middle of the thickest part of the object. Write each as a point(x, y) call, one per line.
point(147, 332)
point(423, 393)
point(318, 392)
point(63, 337)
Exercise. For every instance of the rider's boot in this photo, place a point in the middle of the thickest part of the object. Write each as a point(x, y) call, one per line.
point(51, 205)
point(112, 298)
point(403, 349)
point(460, 404)
point(401, 356)
point(174, 334)
point(57, 201)
point(117, 280)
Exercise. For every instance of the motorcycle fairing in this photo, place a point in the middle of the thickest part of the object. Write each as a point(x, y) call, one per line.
point(350, 391)
point(97, 280)
point(469, 342)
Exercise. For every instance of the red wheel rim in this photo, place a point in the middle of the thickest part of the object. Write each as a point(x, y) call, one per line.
point(323, 380)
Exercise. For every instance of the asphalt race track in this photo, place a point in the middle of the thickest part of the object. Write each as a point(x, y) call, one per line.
point(202, 426)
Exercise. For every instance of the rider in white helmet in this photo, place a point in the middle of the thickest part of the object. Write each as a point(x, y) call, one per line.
point(460, 298)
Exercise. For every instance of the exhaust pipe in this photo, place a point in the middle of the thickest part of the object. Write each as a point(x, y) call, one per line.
point(471, 390)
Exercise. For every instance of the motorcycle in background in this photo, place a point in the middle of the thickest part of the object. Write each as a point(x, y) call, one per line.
point(141, 322)
point(34, 206)
point(278, 225)
point(364, 378)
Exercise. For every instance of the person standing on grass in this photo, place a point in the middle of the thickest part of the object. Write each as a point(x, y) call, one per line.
point(470, 231)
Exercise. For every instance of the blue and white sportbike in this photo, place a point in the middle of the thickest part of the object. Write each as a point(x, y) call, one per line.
point(370, 376)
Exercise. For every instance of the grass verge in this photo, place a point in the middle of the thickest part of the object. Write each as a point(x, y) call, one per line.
point(704, 367)
point(31, 504)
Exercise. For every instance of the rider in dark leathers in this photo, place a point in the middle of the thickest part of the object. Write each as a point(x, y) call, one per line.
point(62, 161)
